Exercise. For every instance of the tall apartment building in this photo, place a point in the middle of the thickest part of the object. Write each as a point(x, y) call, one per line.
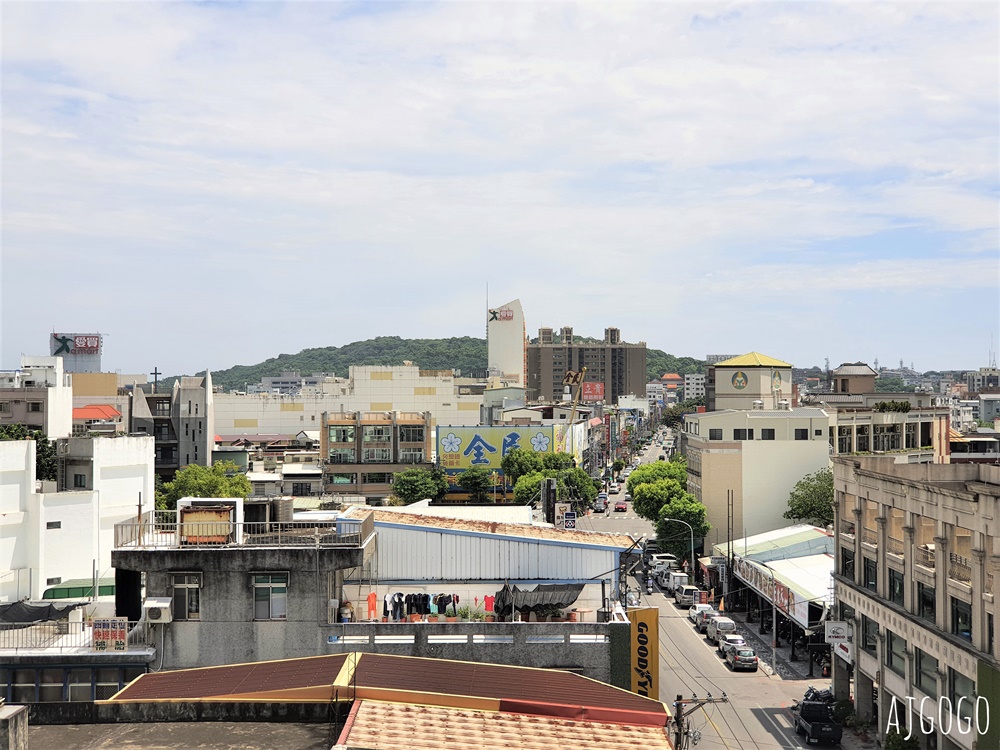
point(694, 386)
point(916, 561)
point(619, 366)
point(39, 395)
point(181, 421)
point(361, 451)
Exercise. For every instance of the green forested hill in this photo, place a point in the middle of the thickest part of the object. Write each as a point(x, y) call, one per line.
point(464, 353)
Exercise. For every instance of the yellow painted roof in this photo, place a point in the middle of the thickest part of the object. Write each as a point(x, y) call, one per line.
point(753, 359)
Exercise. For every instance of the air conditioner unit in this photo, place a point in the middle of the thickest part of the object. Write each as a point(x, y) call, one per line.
point(157, 610)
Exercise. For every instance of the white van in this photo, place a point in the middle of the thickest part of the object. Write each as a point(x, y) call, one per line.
point(718, 627)
point(664, 560)
point(671, 580)
point(685, 595)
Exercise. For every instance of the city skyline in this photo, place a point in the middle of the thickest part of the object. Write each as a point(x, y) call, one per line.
point(216, 184)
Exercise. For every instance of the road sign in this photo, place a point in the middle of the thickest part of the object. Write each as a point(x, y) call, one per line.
point(838, 631)
point(570, 519)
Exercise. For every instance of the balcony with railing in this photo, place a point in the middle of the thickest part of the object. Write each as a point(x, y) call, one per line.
point(161, 529)
point(869, 536)
point(847, 528)
point(63, 637)
point(894, 546)
point(925, 556)
point(959, 568)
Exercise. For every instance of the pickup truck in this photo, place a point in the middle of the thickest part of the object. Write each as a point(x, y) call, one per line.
point(814, 719)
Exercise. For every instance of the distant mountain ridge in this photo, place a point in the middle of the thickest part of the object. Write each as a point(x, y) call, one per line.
point(463, 353)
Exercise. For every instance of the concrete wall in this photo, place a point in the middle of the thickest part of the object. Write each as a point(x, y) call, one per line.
point(770, 472)
point(226, 632)
point(17, 483)
point(13, 728)
point(543, 645)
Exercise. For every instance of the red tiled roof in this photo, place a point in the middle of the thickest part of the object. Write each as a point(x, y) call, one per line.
point(395, 726)
point(96, 411)
point(501, 681)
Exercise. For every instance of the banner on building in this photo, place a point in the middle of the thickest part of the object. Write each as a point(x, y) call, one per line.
point(645, 647)
point(461, 448)
point(592, 391)
point(110, 634)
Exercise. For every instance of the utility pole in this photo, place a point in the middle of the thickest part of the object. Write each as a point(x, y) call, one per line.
point(681, 732)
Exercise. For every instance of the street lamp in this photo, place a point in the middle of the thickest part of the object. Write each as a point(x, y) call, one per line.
point(692, 540)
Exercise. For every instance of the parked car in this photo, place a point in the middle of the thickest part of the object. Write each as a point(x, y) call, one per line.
point(697, 609)
point(731, 641)
point(815, 720)
point(701, 622)
point(684, 596)
point(718, 627)
point(621, 505)
point(664, 559)
point(742, 658)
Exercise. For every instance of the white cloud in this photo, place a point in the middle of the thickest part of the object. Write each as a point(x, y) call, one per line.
point(606, 145)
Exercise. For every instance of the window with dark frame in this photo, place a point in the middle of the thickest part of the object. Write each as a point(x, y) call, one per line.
point(767, 433)
point(186, 596)
point(869, 634)
point(801, 433)
point(925, 672)
point(895, 653)
point(715, 433)
point(926, 602)
point(958, 686)
point(897, 584)
point(80, 481)
point(270, 596)
point(742, 434)
point(870, 575)
point(847, 562)
point(961, 619)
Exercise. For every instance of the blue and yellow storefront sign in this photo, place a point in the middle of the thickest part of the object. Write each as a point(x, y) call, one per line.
point(461, 448)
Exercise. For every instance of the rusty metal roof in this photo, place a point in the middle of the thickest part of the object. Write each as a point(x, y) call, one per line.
point(494, 527)
point(395, 726)
point(233, 680)
point(525, 690)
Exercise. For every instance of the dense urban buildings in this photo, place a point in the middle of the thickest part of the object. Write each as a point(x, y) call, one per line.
point(617, 367)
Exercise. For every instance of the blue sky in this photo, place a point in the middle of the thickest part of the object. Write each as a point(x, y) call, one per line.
point(216, 183)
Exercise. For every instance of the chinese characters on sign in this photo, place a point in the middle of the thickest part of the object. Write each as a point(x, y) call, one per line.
point(110, 634)
point(592, 391)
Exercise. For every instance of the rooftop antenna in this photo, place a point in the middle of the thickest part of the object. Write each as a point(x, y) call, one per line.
point(993, 354)
point(876, 364)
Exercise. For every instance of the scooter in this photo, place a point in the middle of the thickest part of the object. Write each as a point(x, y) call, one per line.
point(649, 585)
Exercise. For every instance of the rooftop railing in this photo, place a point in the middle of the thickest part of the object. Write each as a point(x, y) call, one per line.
point(161, 529)
point(61, 636)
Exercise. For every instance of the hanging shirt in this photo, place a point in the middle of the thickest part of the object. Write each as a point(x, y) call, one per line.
point(372, 604)
point(488, 602)
point(387, 606)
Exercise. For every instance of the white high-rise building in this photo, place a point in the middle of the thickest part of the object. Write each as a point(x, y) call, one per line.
point(505, 337)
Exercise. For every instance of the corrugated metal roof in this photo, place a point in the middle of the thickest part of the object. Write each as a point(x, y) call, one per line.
point(523, 531)
point(429, 681)
point(779, 543)
point(395, 726)
point(752, 359)
point(233, 680)
point(500, 681)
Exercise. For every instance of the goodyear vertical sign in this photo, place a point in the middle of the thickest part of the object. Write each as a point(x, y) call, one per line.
point(645, 643)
